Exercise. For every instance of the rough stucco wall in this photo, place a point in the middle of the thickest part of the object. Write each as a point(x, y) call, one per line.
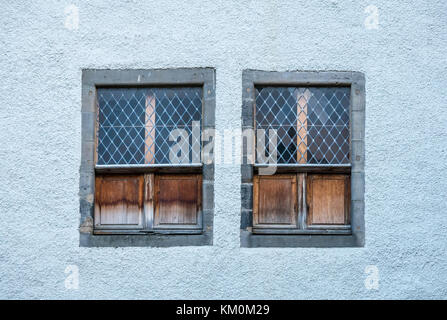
point(406, 149)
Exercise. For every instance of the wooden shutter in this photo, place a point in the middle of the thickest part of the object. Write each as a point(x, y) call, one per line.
point(275, 201)
point(119, 201)
point(328, 199)
point(178, 200)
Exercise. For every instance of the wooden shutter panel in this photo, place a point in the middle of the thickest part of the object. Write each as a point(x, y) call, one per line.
point(328, 199)
point(178, 200)
point(275, 201)
point(119, 201)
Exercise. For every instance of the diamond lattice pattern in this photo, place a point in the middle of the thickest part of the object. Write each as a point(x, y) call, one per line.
point(134, 124)
point(312, 123)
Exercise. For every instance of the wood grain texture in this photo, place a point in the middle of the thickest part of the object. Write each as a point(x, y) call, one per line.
point(178, 199)
point(119, 200)
point(328, 199)
point(275, 201)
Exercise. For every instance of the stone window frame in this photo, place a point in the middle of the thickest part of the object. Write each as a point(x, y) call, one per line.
point(356, 81)
point(93, 78)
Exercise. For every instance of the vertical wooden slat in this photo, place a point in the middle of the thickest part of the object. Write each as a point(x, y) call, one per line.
point(149, 139)
point(149, 204)
point(302, 99)
point(302, 208)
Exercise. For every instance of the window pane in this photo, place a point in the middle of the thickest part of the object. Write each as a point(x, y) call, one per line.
point(134, 125)
point(312, 123)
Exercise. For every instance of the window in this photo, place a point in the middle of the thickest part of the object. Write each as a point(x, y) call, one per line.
point(139, 126)
point(143, 179)
point(306, 184)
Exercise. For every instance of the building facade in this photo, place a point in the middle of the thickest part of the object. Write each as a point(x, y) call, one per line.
point(398, 48)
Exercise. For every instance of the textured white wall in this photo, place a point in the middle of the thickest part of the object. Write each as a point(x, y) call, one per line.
point(406, 150)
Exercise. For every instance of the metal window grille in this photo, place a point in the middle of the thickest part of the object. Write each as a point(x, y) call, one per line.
point(134, 124)
point(312, 123)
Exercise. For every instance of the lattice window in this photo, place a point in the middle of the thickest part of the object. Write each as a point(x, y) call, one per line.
point(141, 157)
point(135, 125)
point(312, 123)
point(306, 185)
